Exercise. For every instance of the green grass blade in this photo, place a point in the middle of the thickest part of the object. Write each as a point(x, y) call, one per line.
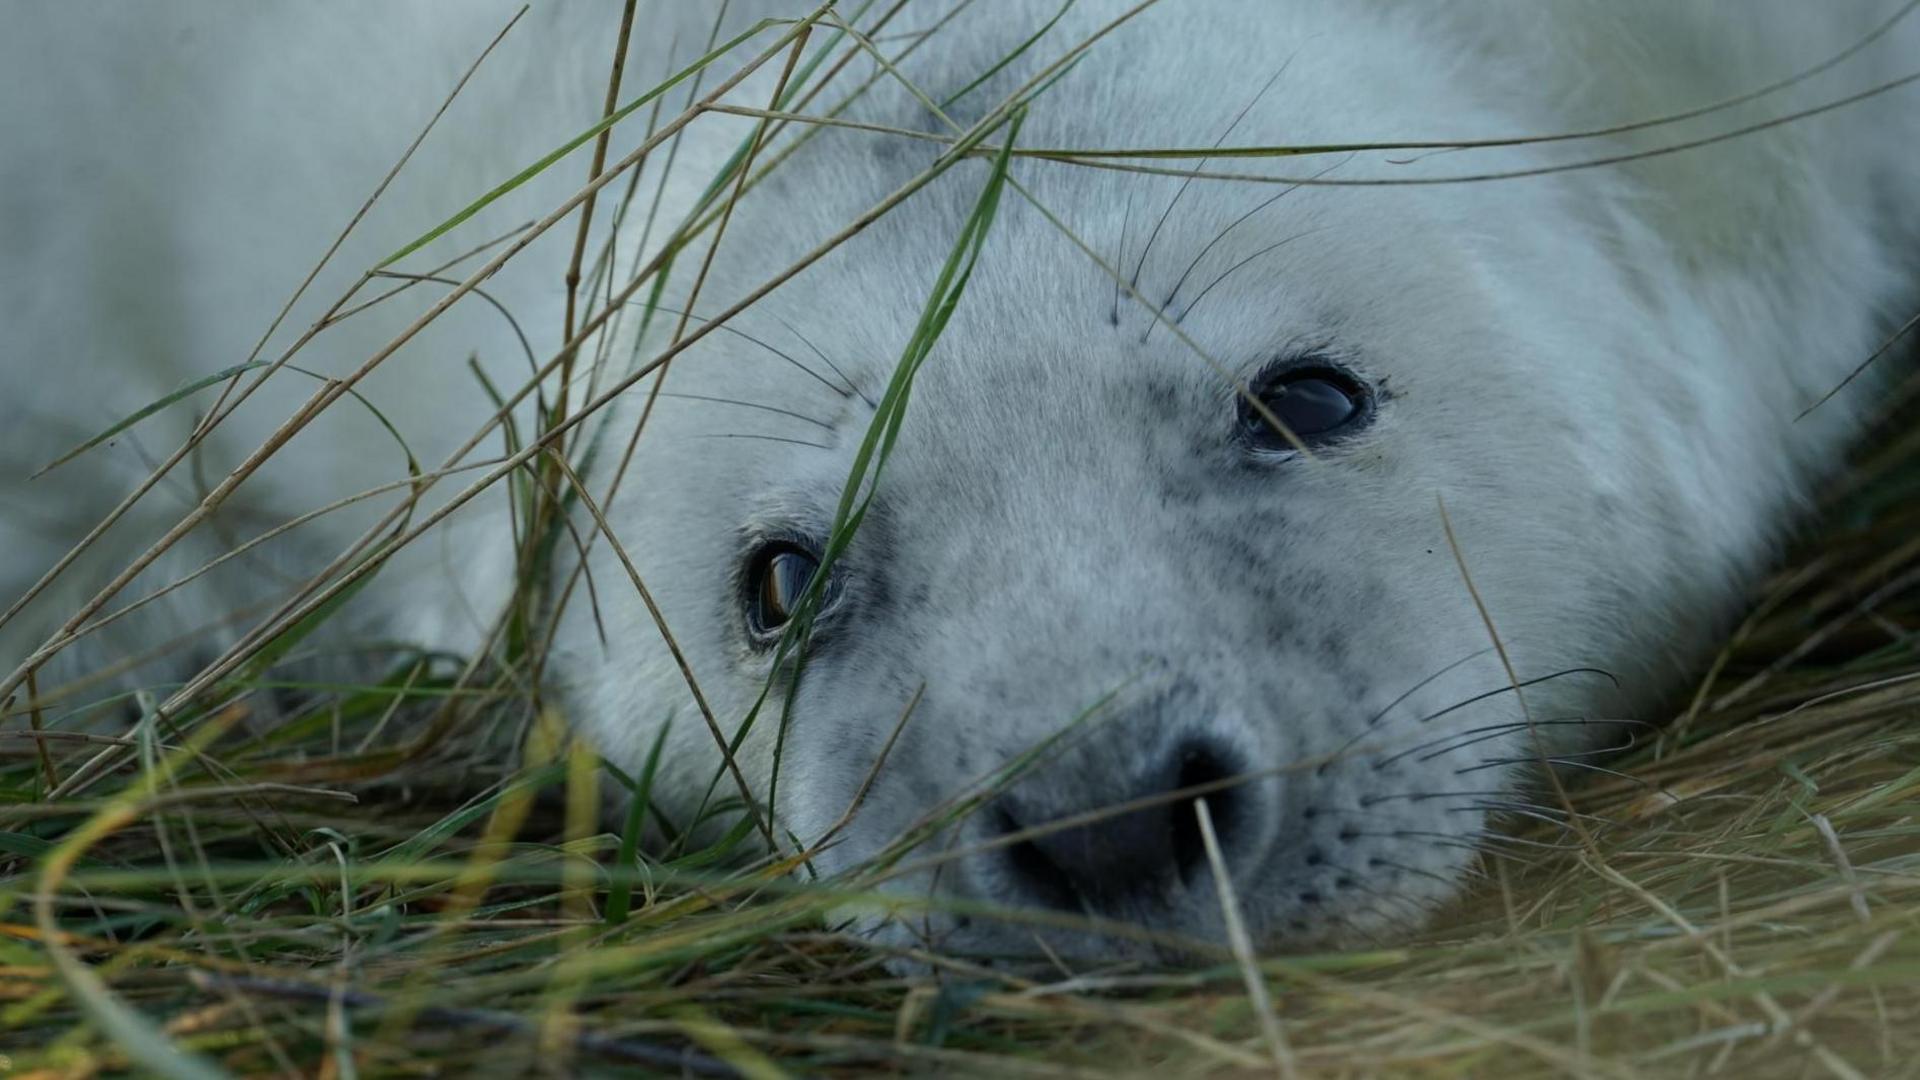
point(573, 144)
point(620, 897)
point(145, 411)
point(1017, 52)
point(883, 432)
point(417, 846)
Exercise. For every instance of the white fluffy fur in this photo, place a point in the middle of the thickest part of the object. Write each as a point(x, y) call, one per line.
point(1597, 371)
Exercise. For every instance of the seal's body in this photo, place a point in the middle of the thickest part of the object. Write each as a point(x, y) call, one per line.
point(1588, 366)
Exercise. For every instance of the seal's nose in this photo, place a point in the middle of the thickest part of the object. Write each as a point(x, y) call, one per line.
point(1133, 845)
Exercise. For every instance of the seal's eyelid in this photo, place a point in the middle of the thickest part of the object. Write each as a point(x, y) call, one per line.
point(775, 572)
point(783, 582)
point(1317, 399)
point(777, 577)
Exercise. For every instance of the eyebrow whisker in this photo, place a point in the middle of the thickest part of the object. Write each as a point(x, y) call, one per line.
point(1269, 249)
point(763, 438)
point(1237, 222)
point(1186, 183)
point(748, 405)
point(735, 331)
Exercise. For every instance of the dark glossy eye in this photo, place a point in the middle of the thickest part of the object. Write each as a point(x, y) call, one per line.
point(776, 580)
point(1315, 402)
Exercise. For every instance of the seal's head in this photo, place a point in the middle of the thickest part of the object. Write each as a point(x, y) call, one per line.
point(1096, 580)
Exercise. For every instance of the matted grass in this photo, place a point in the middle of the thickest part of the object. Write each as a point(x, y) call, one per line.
point(359, 885)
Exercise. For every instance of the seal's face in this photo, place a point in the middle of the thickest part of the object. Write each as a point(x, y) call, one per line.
point(1090, 542)
point(1086, 529)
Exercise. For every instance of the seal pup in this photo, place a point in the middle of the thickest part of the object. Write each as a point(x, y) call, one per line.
point(1595, 365)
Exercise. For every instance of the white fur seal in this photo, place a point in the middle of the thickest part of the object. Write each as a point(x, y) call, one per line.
point(1595, 361)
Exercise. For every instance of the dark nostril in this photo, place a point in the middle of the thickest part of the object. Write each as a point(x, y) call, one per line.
point(1110, 856)
point(1033, 866)
point(1205, 774)
point(1107, 856)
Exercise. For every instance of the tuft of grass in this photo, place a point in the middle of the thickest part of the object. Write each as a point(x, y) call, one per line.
point(404, 874)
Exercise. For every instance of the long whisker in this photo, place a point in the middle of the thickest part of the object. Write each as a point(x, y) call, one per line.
point(1604, 751)
point(1497, 802)
point(1628, 745)
point(1481, 844)
point(1184, 184)
point(1476, 699)
point(748, 405)
point(1570, 763)
point(1483, 840)
point(1237, 222)
point(1126, 222)
point(1321, 769)
point(1492, 838)
point(1421, 796)
point(1475, 736)
point(764, 438)
point(1426, 682)
point(736, 332)
point(1502, 800)
point(1530, 810)
point(1231, 270)
point(825, 359)
point(1521, 685)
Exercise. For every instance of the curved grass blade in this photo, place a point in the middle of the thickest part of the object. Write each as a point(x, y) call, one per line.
point(145, 411)
point(869, 461)
point(1017, 52)
point(576, 143)
point(620, 897)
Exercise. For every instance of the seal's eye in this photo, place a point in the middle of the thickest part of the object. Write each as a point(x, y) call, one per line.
point(776, 580)
point(1314, 401)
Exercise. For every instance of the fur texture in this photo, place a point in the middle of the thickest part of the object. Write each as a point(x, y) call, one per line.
point(1596, 370)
